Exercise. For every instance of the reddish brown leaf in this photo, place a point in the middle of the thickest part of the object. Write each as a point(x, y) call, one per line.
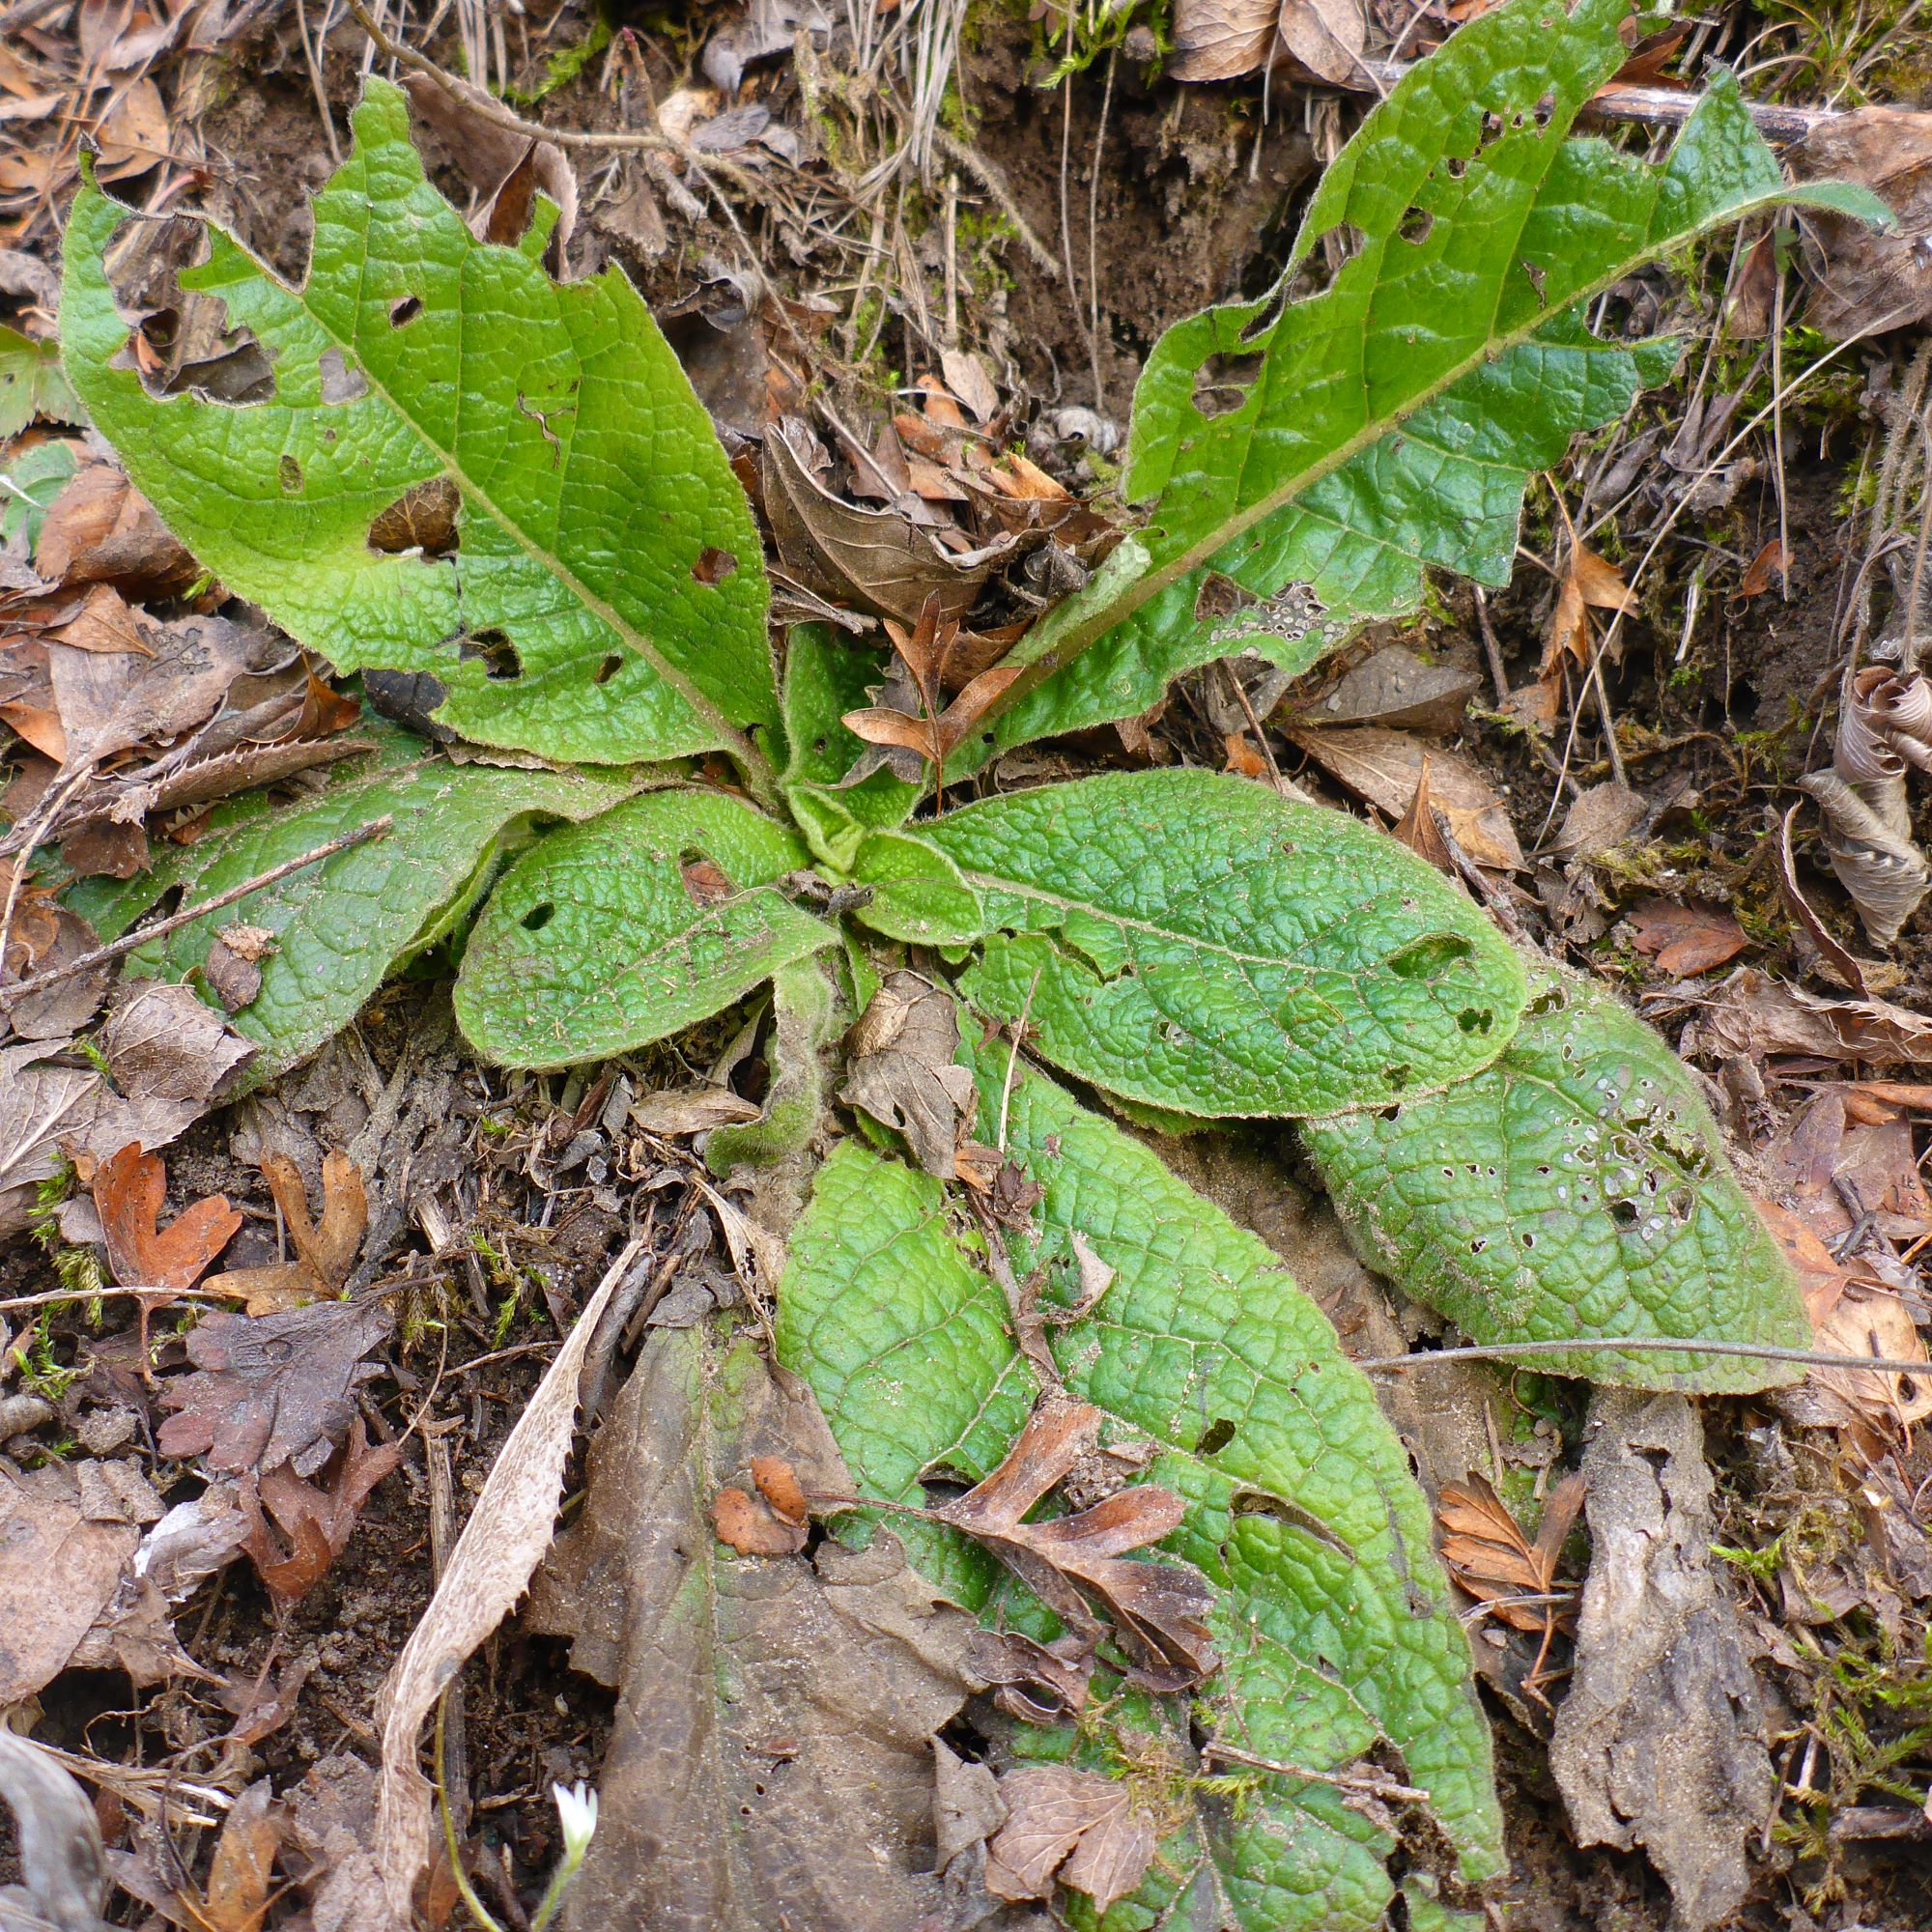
point(1770, 561)
point(1418, 829)
point(245, 1856)
point(777, 1483)
point(1490, 1556)
point(129, 1191)
point(324, 1252)
point(1158, 1611)
point(317, 1519)
point(1685, 940)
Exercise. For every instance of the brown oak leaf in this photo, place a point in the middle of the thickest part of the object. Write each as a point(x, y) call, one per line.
point(1079, 1825)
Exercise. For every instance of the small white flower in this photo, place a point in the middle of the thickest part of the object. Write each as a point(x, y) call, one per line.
point(577, 1811)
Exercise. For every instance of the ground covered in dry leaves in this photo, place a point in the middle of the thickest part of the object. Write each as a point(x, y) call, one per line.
point(917, 254)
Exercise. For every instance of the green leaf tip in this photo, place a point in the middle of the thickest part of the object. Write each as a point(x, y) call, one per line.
point(1577, 1188)
point(1306, 458)
point(465, 468)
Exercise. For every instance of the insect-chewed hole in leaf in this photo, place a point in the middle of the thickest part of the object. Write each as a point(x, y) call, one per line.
point(1220, 597)
point(1454, 166)
point(1430, 956)
point(340, 383)
point(1545, 110)
point(497, 654)
point(609, 669)
point(1416, 224)
point(713, 566)
point(289, 475)
point(423, 518)
point(1216, 1436)
point(538, 917)
point(1625, 1213)
point(405, 311)
point(190, 350)
point(1222, 382)
point(1475, 1019)
point(1397, 1075)
point(705, 879)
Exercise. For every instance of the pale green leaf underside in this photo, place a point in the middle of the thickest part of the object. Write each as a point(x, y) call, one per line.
point(1333, 1617)
point(1396, 414)
point(342, 924)
point(595, 943)
point(31, 385)
point(1578, 1188)
point(592, 484)
point(1195, 942)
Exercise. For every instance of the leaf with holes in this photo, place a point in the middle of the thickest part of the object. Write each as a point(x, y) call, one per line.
point(1194, 941)
point(1305, 459)
point(1577, 1188)
point(342, 924)
point(615, 933)
point(464, 469)
point(1219, 1378)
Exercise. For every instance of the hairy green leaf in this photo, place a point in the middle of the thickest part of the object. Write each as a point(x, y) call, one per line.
point(31, 383)
point(1333, 1616)
point(803, 1016)
point(28, 487)
point(612, 934)
point(604, 596)
point(1197, 943)
point(1577, 1188)
point(918, 894)
point(342, 924)
point(1306, 457)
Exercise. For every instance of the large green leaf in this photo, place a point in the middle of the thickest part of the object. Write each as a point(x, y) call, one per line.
point(1333, 1616)
point(340, 926)
point(1344, 439)
point(599, 939)
point(607, 599)
point(1577, 1188)
point(1196, 942)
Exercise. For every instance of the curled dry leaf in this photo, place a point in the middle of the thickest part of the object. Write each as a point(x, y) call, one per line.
point(1884, 723)
point(63, 1865)
point(164, 1044)
point(1158, 1611)
point(1488, 1554)
point(326, 1251)
point(101, 529)
point(317, 1519)
point(1079, 1825)
point(750, 1525)
point(1420, 830)
point(1397, 689)
point(507, 168)
point(1855, 974)
point(237, 1898)
point(901, 1069)
point(1752, 1014)
point(1221, 40)
point(1591, 583)
point(489, 1568)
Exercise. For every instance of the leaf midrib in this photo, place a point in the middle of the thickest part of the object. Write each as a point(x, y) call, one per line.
point(730, 740)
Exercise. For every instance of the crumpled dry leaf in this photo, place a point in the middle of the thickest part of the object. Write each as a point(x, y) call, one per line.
point(326, 1251)
point(63, 1865)
point(130, 1188)
point(273, 1388)
point(901, 1071)
point(318, 1520)
point(501, 1544)
point(1399, 690)
point(1684, 940)
point(237, 1898)
point(101, 529)
point(1590, 584)
point(1384, 767)
point(45, 937)
point(1884, 722)
point(164, 1044)
point(1158, 1611)
point(1080, 1824)
point(68, 1592)
point(1660, 1742)
point(1864, 280)
point(1421, 830)
point(1752, 1014)
point(877, 561)
point(1599, 820)
point(1863, 976)
point(1220, 40)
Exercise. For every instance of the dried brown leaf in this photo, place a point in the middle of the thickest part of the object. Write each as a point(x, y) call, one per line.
point(900, 1069)
point(1397, 689)
point(1685, 940)
point(163, 1043)
point(324, 1252)
point(318, 1520)
point(1079, 1825)
point(750, 1525)
point(1419, 828)
point(1864, 281)
point(236, 1898)
point(129, 1191)
point(1385, 767)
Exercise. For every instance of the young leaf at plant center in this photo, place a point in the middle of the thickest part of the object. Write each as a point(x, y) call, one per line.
point(1346, 439)
point(344, 923)
point(802, 1008)
point(465, 469)
point(826, 676)
point(1197, 943)
point(1577, 1188)
point(1332, 1619)
point(600, 939)
point(917, 894)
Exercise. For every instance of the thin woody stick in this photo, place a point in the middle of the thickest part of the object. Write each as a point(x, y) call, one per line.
point(131, 941)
